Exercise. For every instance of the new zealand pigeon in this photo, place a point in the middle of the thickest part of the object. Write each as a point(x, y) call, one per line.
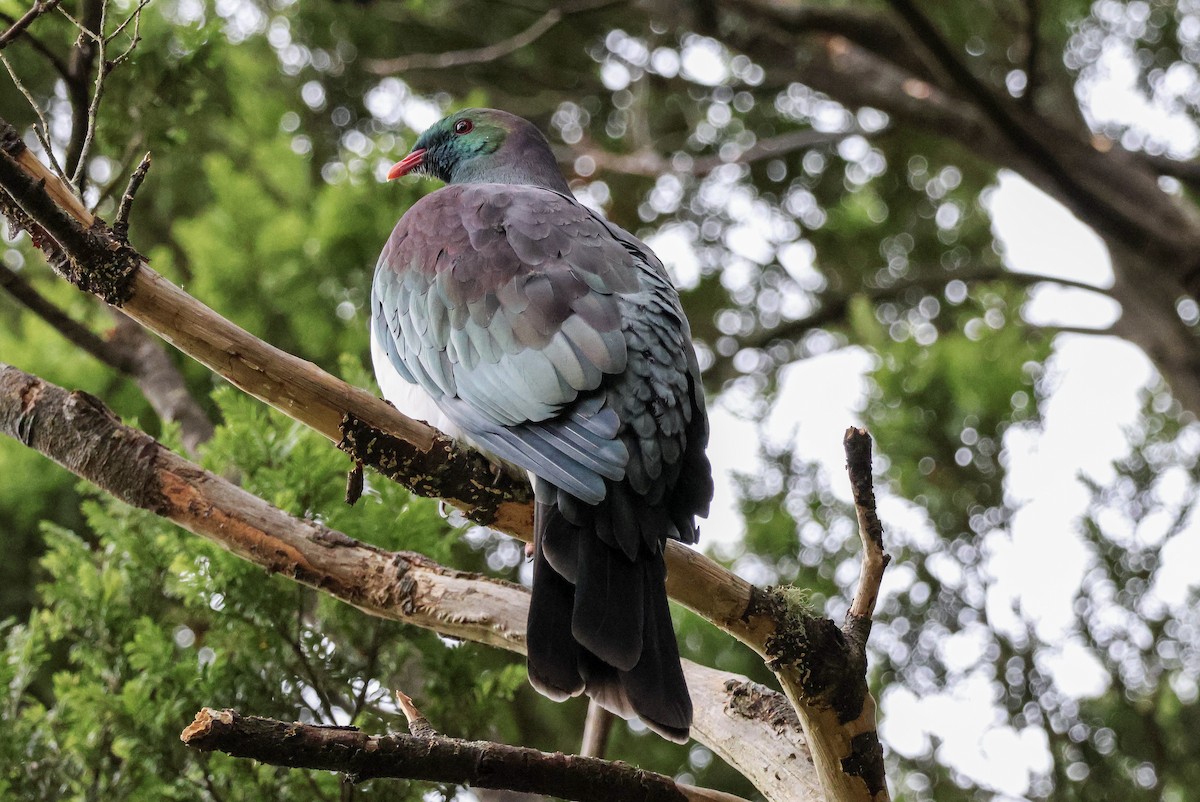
point(506, 313)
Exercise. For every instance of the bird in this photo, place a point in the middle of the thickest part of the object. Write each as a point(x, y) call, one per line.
point(507, 313)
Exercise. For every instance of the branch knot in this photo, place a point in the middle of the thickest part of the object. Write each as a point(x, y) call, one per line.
point(110, 277)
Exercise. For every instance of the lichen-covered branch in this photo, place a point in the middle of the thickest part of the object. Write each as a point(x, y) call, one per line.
point(824, 678)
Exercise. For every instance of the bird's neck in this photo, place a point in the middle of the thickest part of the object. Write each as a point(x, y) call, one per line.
point(524, 158)
point(530, 173)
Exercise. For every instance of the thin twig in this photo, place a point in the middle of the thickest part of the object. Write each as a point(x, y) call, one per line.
point(102, 69)
point(418, 725)
point(360, 698)
point(134, 17)
point(120, 224)
point(857, 443)
point(354, 483)
point(492, 52)
point(82, 28)
point(134, 40)
point(43, 132)
point(79, 77)
point(125, 163)
point(314, 681)
point(58, 64)
point(18, 27)
point(650, 163)
point(833, 307)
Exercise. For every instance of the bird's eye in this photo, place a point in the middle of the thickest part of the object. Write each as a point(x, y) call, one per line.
point(463, 127)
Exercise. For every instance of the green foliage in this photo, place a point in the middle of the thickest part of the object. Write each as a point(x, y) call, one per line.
point(142, 624)
point(943, 406)
point(1137, 623)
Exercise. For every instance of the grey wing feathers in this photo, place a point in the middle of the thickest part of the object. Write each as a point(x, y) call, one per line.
point(501, 303)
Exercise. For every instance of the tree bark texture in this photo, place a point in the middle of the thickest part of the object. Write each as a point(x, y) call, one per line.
point(434, 758)
point(78, 432)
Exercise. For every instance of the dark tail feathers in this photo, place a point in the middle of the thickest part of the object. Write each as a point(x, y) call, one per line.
point(599, 622)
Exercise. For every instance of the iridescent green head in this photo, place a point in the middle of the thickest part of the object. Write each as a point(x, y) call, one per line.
point(475, 146)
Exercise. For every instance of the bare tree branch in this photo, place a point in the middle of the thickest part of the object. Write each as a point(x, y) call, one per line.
point(1033, 136)
point(93, 108)
point(160, 381)
point(135, 17)
point(492, 52)
point(433, 758)
point(857, 443)
point(18, 26)
point(88, 46)
point(651, 163)
point(79, 433)
point(869, 29)
point(832, 308)
point(41, 129)
point(64, 324)
point(418, 725)
point(1186, 171)
point(38, 45)
point(128, 350)
point(121, 221)
point(97, 51)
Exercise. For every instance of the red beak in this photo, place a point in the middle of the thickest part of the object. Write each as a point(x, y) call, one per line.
point(406, 165)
